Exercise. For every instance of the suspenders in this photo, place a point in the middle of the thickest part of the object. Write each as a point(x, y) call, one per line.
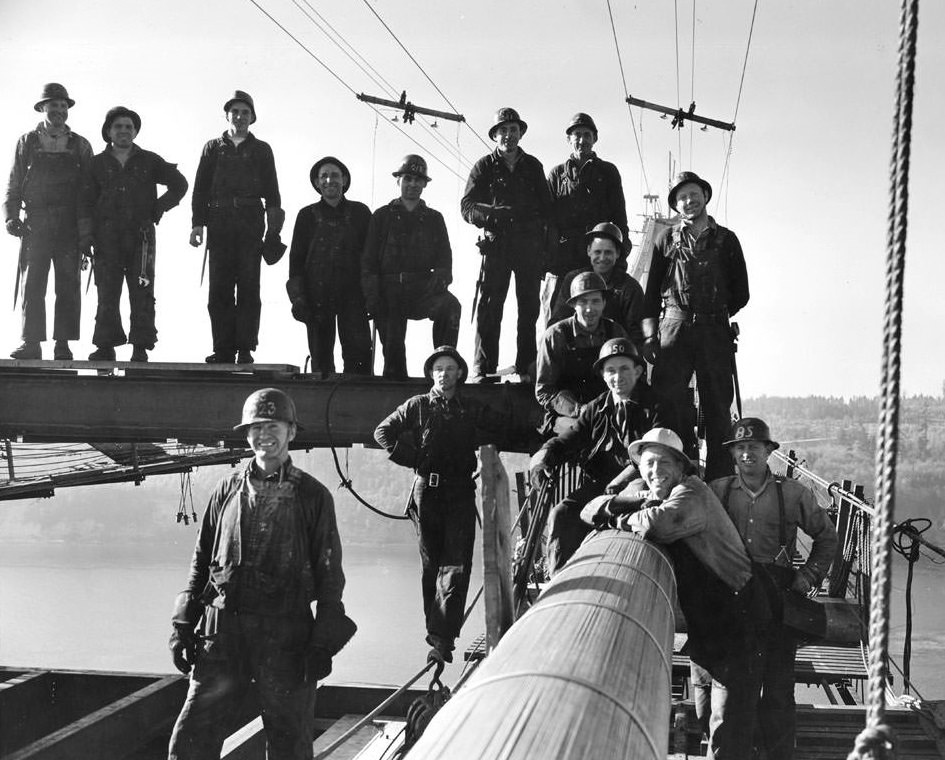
point(782, 519)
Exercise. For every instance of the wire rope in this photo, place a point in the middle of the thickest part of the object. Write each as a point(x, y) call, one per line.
point(626, 94)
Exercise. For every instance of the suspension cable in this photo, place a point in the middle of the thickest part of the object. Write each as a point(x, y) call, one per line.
point(626, 94)
point(888, 433)
point(422, 71)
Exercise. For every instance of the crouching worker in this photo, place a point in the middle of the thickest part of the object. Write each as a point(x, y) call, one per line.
point(436, 435)
point(600, 442)
point(726, 609)
point(267, 548)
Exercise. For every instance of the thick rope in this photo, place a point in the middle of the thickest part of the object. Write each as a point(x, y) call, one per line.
point(876, 740)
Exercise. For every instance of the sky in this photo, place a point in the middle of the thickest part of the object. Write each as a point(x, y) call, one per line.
point(806, 189)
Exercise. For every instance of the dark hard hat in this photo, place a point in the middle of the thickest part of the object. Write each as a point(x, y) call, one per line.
point(246, 98)
point(581, 120)
point(413, 164)
point(663, 439)
point(610, 231)
point(313, 174)
point(450, 352)
point(116, 112)
point(751, 429)
point(506, 115)
point(684, 178)
point(618, 347)
point(53, 91)
point(586, 282)
point(265, 405)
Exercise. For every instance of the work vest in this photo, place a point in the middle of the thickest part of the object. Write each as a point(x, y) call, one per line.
point(332, 263)
point(447, 438)
point(696, 278)
point(235, 174)
point(410, 240)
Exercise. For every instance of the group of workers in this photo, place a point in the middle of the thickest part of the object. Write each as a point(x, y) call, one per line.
point(268, 543)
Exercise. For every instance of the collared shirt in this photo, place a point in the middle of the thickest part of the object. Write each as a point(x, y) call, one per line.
point(562, 338)
point(692, 514)
point(708, 275)
point(127, 193)
point(523, 189)
point(757, 518)
point(586, 195)
point(252, 177)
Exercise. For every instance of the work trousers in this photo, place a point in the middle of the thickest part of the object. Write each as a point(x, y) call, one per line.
point(353, 332)
point(447, 519)
point(234, 236)
point(519, 254)
point(243, 651)
point(704, 348)
point(119, 258)
point(403, 301)
point(726, 699)
point(52, 239)
point(566, 530)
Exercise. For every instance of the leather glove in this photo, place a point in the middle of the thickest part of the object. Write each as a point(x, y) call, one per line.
point(651, 349)
point(15, 227)
point(800, 583)
point(300, 311)
point(317, 664)
point(597, 512)
point(565, 404)
point(183, 646)
point(500, 216)
point(538, 469)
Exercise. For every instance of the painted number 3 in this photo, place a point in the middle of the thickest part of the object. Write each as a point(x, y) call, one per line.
point(268, 408)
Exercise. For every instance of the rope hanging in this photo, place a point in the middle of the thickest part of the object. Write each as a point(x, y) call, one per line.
point(876, 740)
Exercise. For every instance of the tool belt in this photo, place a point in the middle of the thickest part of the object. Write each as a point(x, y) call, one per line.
point(696, 317)
point(235, 202)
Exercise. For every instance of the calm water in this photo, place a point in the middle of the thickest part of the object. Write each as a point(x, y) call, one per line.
point(106, 607)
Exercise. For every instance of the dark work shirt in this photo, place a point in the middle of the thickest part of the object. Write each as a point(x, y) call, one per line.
point(586, 196)
point(252, 177)
point(127, 194)
point(624, 302)
point(492, 183)
point(344, 255)
point(707, 275)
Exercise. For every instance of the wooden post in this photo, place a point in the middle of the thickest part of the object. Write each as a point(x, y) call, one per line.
point(585, 673)
point(496, 546)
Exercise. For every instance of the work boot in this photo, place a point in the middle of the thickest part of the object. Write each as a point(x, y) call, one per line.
point(218, 357)
point(28, 350)
point(62, 352)
point(244, 357)
point(442, 649)
point(102, 354)
point(483, 379)
point(139, 354)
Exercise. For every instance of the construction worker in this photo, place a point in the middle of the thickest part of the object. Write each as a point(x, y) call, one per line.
point(567, 378)
point(507, 197)
point(436, 434)
point(697, 282)
point(126, 208)
point(767, 511)
point(325, 271)
point(727, 608)
point(407, 267)
point(599, 441)
point(585, 189)
point(267, 548)
point(236, 174)
point(605, 248)
point(49, 180)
